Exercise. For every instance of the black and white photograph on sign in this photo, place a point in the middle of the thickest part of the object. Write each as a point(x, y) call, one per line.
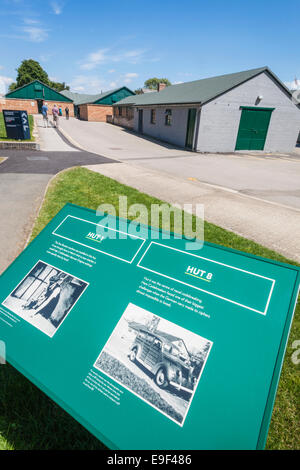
point(157, 360)
point(45, 297)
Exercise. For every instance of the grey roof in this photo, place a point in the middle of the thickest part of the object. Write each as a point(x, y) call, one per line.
point(198, 91)
point(83, 98)
point(78, 98)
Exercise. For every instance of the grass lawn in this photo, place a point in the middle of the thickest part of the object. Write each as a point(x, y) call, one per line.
point(30, 420)
point(3, 130)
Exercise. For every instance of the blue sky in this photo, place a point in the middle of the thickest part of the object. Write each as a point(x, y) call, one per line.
point(99, 45)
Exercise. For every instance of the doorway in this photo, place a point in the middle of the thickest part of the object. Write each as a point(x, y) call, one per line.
point(253, 128)
point(40, 104)
point(140, 125)
point(190, 128)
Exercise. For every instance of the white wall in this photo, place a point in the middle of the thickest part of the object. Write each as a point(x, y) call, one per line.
point(175, 134)
point(220, 119)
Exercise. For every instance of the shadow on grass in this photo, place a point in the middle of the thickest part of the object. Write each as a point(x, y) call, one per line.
point(29, 420)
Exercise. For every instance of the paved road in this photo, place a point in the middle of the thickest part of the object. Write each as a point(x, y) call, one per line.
point(23, 178)
point(272, 178)
point(274, 226)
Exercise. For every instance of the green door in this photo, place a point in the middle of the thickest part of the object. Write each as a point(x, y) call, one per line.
point(190, 128)
point(253, 128)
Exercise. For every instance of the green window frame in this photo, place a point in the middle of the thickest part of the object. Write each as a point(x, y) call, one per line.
point(168, 117)
point(153, 116)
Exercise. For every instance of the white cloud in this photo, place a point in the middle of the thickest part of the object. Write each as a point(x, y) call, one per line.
point(78, 89)
point(45, 57)
point(131, 75)
point(128, 77)
point(107, 55)
point(30, 21)
point(133, 56)
point(294, 85)
point(94, 59)
point(88, 84)
point(4, 84)
point(57, 7)
point(35, 34)
point(113, 85)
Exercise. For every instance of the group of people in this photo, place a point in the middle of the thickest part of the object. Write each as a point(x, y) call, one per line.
point(56, 112)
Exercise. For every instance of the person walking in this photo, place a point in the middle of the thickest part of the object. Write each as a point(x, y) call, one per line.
point(55, 113)
point(60, 111)
point(45, 114)
point(67, 112)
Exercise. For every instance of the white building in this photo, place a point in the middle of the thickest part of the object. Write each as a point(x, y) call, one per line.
point(250, 110)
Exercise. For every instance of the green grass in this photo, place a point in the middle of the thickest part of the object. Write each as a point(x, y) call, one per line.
point(3, 130)
point(30, 420)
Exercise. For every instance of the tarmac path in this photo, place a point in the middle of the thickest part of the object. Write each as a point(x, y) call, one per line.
point(24, 176)
point(255, 196)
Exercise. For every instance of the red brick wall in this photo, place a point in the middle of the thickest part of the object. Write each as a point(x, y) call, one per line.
point(19, 105)
point(95, 112)
point(26, 105)
point(61, 105)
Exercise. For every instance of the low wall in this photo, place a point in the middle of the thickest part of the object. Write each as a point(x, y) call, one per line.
point(95, 112)
point(16, 145)
point(123, 121)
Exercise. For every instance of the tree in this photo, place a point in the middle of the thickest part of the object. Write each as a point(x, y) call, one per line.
point(59, 86)
point(30, 70)
point(152, 83)
point(138, 91)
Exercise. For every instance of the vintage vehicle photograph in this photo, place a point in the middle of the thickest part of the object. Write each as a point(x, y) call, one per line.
point(157, 360)
point(167, 357)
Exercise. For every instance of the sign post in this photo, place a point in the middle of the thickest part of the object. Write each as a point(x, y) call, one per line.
point(131, 335)
point(16, 125)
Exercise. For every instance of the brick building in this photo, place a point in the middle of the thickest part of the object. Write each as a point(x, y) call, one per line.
point(97, 107)
point(30, 98)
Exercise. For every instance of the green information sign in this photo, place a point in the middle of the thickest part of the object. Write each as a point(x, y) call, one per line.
point(147, 344)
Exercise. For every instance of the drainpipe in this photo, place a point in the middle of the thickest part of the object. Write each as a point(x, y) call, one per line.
point(196, 131)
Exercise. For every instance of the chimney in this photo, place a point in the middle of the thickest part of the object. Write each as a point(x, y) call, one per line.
point(161, 86)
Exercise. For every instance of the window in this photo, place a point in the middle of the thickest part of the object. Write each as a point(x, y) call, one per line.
point(129, 112)
point(168, 117)
point(153, 116)
point(35, 283)
point(120, 110)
